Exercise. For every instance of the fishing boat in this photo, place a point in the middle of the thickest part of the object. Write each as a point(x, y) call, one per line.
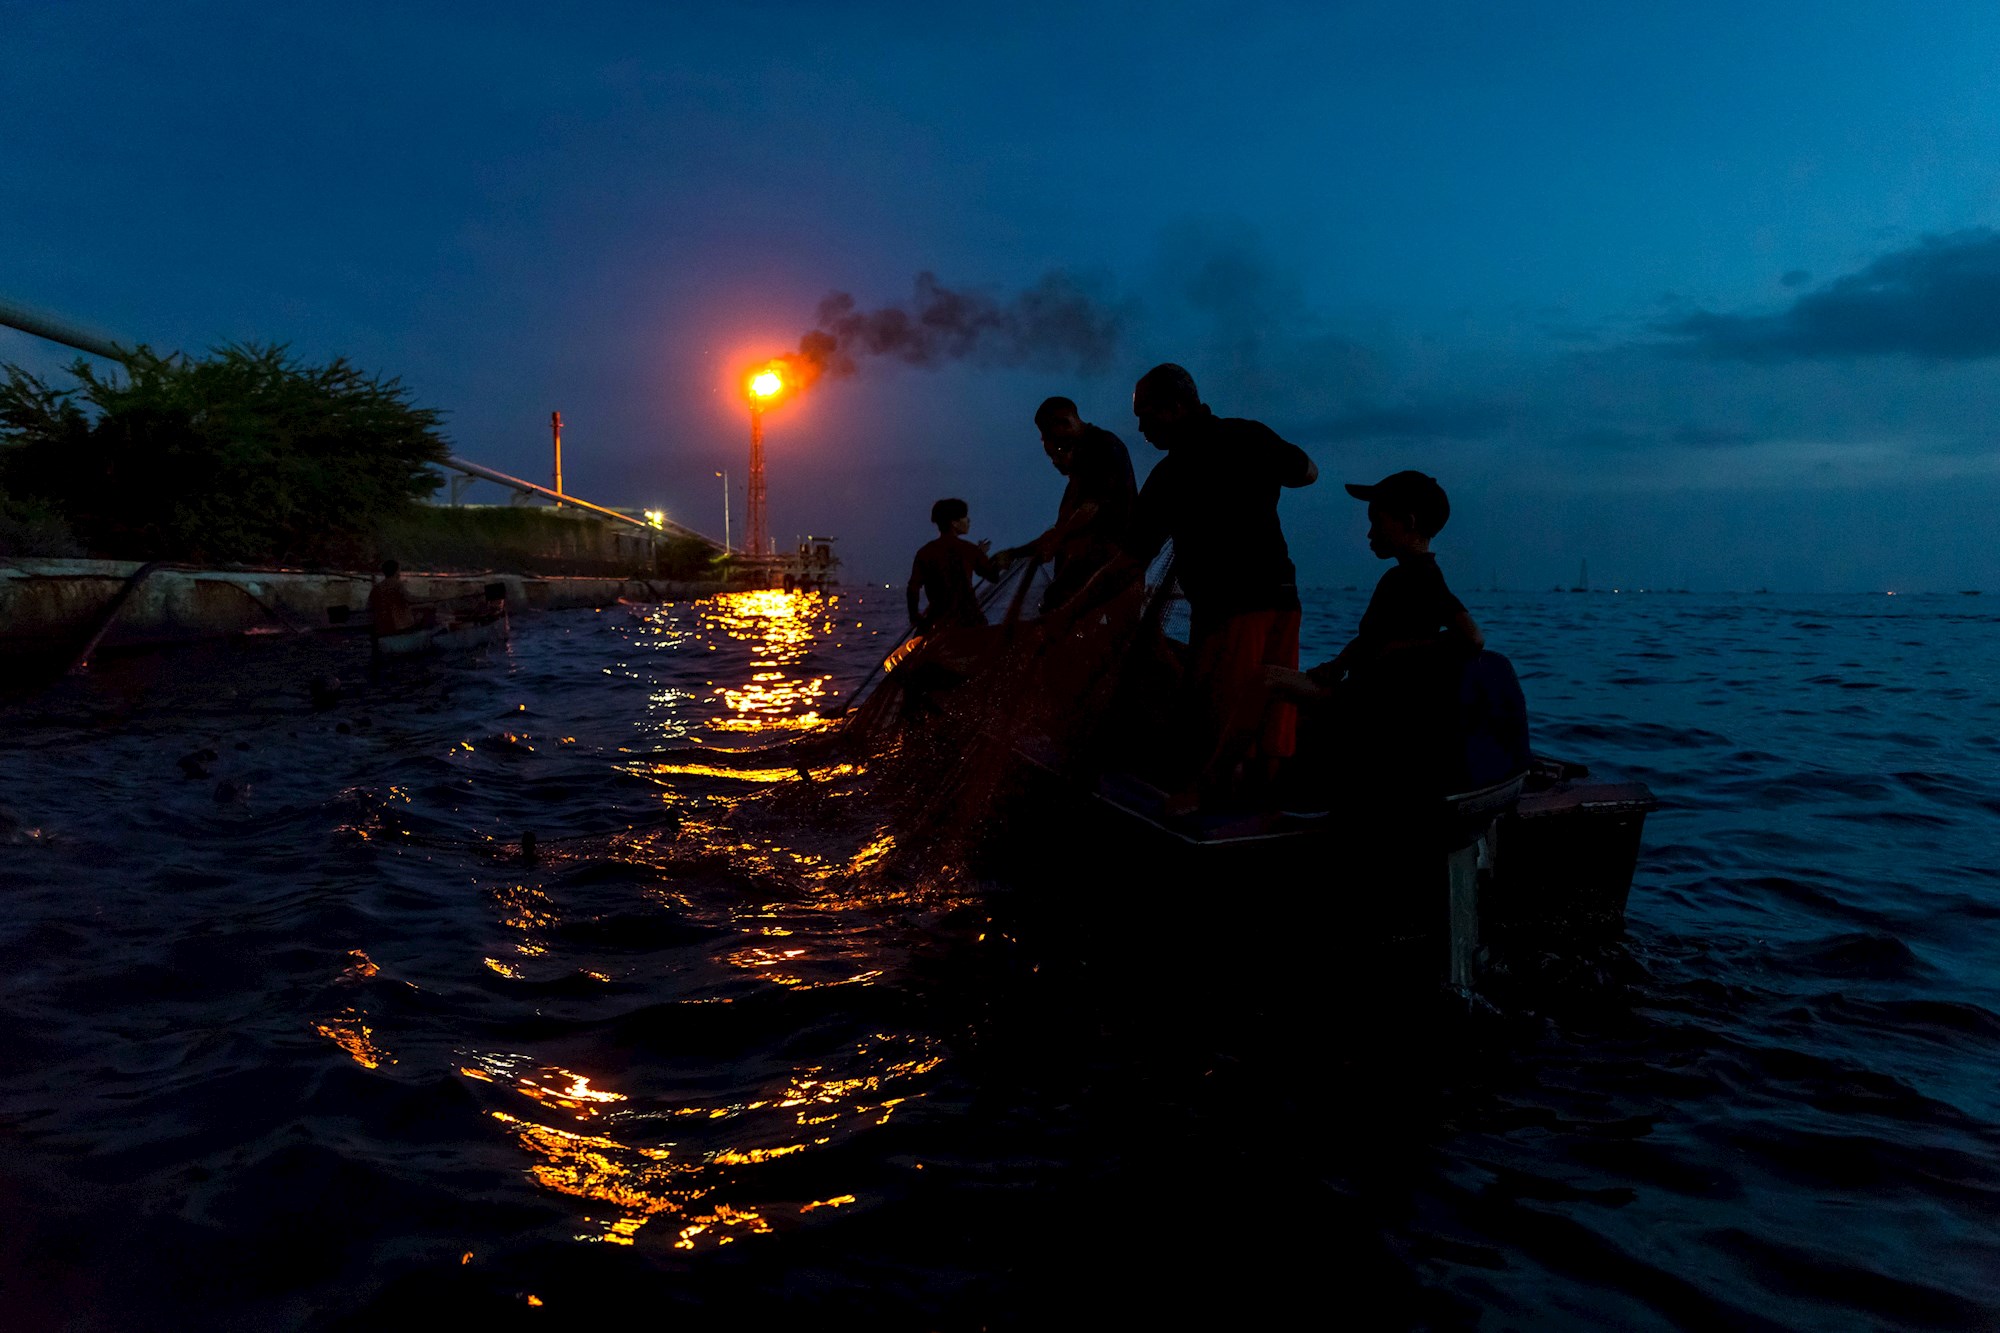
point(462, 634)
point(1511, 849)
point(1540, 855)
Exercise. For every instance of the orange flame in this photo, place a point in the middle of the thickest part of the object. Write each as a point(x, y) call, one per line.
point(766, 383)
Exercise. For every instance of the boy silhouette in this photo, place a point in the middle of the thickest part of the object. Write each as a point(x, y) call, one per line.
point(943, 573)
point(1391, 694)
point(1412, 607)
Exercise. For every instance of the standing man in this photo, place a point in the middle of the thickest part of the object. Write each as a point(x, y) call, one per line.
point(1096, 504)
point(1215, 495)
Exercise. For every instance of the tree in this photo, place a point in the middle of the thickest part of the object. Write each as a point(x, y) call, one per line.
point(248, 455)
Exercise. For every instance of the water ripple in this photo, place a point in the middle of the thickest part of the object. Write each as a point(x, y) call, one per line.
point(502, 988)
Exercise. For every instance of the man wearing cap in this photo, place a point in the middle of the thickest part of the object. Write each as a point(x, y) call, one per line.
point(1215, 495)
point(1096, 504)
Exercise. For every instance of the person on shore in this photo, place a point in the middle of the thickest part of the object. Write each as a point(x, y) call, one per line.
point(390, 610)
point(1096, 504)
point(943, 572)
point(1215, 496)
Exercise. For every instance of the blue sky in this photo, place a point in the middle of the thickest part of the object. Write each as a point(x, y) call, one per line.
point(1694, 294)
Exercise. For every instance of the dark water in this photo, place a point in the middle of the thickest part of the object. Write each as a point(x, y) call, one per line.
point(292, 1037)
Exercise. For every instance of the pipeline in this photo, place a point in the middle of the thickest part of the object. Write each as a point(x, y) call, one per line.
point(58, 331)
point(485, 473)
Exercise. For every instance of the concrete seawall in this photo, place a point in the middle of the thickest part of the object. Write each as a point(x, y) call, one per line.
point(55, 605)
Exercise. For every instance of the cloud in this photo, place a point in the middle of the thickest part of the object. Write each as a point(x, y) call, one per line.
point(1690, 435)
point(1938, 300)
point(1238, 315)
point(1604, 437)
point(1418, 420)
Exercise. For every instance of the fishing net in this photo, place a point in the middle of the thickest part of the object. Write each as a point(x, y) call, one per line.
point(956, 716)
point(917, 773)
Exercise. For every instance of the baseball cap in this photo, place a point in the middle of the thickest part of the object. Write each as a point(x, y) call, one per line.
point(1408, 492)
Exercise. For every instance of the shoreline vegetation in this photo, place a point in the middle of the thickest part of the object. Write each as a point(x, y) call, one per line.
point(251, 457)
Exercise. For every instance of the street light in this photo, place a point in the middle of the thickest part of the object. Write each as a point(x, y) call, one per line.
point(725, 509)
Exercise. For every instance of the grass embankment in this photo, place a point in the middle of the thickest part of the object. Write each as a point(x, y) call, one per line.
point(531, 541)
point(249, 456)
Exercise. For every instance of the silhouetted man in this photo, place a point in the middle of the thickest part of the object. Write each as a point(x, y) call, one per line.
point(1096, 504)
point(390, 610)
point(1215, 495)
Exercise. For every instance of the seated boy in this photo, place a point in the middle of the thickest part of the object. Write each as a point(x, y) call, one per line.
point(1412, 607)
point(1394, 684)
point(943, 573)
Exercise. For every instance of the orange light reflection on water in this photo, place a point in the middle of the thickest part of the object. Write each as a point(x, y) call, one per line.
point(835, 1202)
point(629, 1180)
point(757, 775)
point(356, 1038)
point(627, 1146)
point(529, 911)
point(762, 723)
point(780, 629)
point(576, 1097)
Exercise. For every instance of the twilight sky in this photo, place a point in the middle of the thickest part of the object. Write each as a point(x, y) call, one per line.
point(1707, 296)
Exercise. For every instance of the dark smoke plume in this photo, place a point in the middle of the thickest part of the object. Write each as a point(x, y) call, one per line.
point(1055, 325)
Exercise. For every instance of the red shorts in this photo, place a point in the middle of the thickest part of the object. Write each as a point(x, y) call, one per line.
point(1228, 669)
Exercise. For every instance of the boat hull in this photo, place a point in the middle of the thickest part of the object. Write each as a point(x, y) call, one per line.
point(1434, 897)
point(463, 636)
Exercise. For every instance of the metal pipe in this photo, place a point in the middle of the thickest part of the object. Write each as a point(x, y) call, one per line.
point(555, 425)
point(530, 488)
point(58, 331)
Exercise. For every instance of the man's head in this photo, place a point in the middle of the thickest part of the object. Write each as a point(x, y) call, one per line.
point(1060, 424)
point(1405, 510)
point(951, 516)
point(390, 569)
point(1165, 401)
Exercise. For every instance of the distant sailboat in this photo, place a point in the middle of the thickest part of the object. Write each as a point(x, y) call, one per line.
point(1582, 578)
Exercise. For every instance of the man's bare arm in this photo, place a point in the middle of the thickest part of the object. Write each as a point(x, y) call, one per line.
point(1045, 546)
point(1295, 466)
point(1298, 686)
point(1102, 586)
point(1066, 527)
